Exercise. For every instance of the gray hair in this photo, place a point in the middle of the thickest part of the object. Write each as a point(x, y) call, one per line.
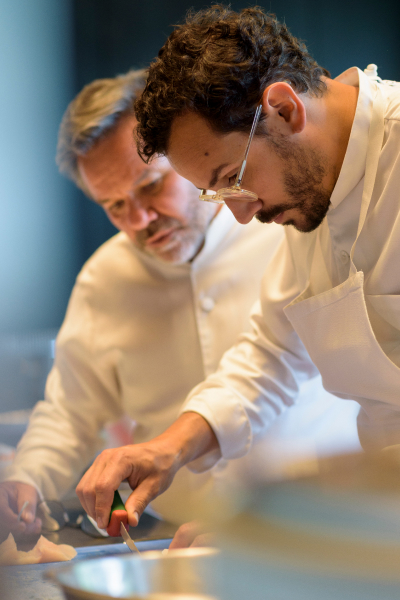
point(92, 115)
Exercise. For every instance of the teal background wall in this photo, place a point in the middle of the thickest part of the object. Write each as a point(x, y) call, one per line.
point(48, 50)
point(39, 221)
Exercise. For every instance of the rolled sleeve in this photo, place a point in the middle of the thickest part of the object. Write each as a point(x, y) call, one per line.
point(227, 417)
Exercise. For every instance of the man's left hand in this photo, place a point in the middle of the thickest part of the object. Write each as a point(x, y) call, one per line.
point(191, 535)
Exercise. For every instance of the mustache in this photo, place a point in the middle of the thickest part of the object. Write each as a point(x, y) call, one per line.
point(156, 226)
point(267, 215)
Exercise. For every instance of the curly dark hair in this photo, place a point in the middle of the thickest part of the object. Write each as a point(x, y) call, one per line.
point(218, 64)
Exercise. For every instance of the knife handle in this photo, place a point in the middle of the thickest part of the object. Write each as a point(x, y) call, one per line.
point(118, 514)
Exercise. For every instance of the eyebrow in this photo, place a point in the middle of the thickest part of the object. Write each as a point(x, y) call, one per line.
point(215, 175)
point(137, 182)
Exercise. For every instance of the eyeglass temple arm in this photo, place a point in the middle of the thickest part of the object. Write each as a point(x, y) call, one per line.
point(253, 128)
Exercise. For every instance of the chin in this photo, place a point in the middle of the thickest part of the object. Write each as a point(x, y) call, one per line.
point(173, 256)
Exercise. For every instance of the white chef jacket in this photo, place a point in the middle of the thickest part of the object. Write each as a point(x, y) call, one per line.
point(138, 335)
point(259, 379)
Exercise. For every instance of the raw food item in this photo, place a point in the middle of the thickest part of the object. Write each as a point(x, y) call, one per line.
point(118, 515)
point(44, 552)
point(114, 526)
point(54, 552)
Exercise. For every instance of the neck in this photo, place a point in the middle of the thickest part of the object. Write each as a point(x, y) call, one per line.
point(332, 117)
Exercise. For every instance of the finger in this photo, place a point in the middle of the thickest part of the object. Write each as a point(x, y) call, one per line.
point(32, 528)
point(185, 535)
point(35, 527)
point(27, 499)
point(205, 539)
point(79, 492)
point(9, 522)
point(96, 488)
point(141, 496)
point(8, 506)
point(118, 468)
point(104, 500)
point(85, 489)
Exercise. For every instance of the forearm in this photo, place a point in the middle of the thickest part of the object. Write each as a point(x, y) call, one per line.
point(149, 467)
point(188, 438)
point(54, 450)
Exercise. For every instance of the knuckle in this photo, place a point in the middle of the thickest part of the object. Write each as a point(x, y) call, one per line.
point(140, 505)
point(185, 529)
point(100, 489)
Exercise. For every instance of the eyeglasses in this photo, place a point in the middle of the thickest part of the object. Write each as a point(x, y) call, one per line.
point(236, 192)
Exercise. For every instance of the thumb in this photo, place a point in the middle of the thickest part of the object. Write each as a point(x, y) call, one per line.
point(141, 496)
point(27, 502)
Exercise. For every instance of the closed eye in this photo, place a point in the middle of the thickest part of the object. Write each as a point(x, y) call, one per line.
point(116, 208)
point(232, 179)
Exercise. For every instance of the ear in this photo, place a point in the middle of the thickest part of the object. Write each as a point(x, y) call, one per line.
point(284, 108)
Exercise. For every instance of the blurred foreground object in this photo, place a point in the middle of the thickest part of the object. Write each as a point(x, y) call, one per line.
point(334, 534)
point(43, 552)
point(182, 574)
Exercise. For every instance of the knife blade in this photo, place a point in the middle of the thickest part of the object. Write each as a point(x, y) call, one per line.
point(128, 540)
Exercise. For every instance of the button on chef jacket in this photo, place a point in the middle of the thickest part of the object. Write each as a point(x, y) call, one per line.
point(260, 377)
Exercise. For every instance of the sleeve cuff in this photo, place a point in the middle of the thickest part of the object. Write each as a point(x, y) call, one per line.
point(228, 419)
point(21, 477)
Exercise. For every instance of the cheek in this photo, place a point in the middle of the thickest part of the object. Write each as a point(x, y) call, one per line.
point(177, 197)
point(268, 184)
point(264, 173)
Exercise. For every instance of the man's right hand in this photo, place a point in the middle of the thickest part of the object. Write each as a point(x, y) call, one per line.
point(13, 495)
point(148, 467)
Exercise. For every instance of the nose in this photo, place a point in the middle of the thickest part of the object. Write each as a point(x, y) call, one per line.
point(243, 211)
point(138, 216)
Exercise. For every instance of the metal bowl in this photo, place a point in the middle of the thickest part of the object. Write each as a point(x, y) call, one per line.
point(183, 574)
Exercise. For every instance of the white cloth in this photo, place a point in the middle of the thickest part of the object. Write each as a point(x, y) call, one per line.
point(259, 378)
point(138, 335)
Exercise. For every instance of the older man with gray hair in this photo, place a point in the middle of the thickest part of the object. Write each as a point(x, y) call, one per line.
point(150, 316)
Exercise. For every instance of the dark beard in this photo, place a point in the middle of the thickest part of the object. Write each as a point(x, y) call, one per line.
point(303, 178)
point(312, 208)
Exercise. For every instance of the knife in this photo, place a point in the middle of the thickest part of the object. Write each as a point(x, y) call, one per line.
point(128, 540)
point(118, 523)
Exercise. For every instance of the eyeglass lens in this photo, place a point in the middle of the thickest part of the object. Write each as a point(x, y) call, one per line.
point(236, 192)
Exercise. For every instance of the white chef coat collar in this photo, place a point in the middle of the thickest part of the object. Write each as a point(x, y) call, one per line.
point(217, 231)
point(219, 227)
point(353, 167)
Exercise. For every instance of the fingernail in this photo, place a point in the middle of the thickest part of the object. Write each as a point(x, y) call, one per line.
point(136, 515)
point(28, 516)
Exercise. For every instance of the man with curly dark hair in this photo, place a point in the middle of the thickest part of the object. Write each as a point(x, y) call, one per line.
point(211, 74)
point(240, 109)
point(217, 65)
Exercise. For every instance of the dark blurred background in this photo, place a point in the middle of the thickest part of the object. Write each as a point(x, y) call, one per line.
point(49, 49)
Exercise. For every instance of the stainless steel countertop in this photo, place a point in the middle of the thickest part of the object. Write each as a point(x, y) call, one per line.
point(27, 582)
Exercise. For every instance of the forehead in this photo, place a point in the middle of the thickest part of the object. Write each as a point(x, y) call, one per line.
point(113, 161)
point(117, 144)
point(195, 150)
